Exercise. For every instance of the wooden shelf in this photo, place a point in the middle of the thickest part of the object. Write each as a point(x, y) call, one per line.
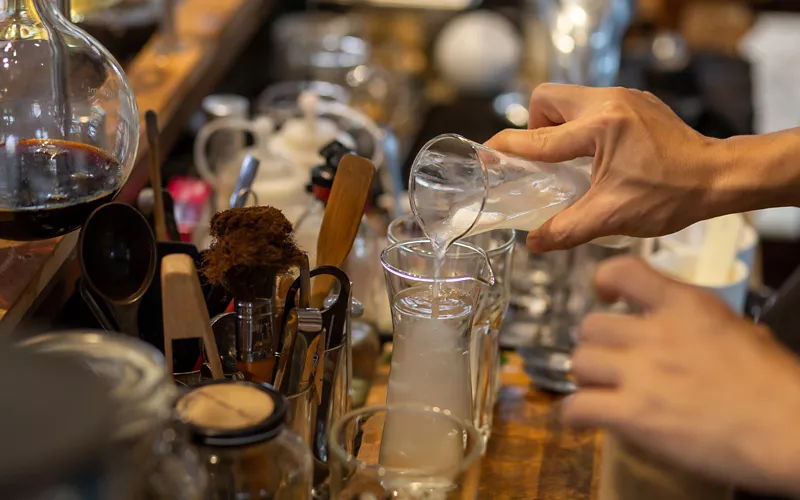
point(212, 34)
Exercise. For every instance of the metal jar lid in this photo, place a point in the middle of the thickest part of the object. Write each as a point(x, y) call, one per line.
point(230, 413)
point(135, 370)
point(55, 421)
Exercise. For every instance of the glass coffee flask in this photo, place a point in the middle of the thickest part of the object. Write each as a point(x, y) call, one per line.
point(69, 124)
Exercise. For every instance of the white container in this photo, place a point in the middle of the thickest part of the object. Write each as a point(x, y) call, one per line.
point(680, 265)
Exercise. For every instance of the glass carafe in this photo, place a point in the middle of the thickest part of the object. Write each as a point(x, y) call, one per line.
point(434, 303)
point(486, 325)
point(70, 124)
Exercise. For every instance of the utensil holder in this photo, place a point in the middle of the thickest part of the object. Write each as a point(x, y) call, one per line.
point(335, 397)
point(302, 413)
point(336, 400)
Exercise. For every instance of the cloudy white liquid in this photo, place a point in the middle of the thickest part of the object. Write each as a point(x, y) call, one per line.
point(430, 367)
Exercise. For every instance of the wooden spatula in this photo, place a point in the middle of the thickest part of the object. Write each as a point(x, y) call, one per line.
point(349, 192)
point(185, 312)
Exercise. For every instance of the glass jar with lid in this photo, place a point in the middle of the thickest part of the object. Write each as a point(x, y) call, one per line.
point(145, 434)
point(248, 452)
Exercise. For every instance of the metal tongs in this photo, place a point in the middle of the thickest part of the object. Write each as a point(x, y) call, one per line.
point(303, 333)
point(308, 334)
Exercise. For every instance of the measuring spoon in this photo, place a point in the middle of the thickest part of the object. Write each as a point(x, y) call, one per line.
point(117, 253)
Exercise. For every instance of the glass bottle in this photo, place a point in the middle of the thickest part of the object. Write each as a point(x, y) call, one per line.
point(248, 452)
point(69, 122)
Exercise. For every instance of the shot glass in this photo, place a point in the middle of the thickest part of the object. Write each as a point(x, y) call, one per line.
point(373, 457)
point(485, 335)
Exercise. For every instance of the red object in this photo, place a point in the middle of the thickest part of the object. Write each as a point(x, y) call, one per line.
point(191, 198)
point(321, 193)
point(230, 308)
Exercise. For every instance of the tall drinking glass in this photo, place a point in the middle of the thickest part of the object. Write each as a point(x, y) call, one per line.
point(485, 335)
point(432, 316)
point(435, 455)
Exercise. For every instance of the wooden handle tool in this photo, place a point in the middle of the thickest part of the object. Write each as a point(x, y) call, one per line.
point(351, 186)
point(184, 308)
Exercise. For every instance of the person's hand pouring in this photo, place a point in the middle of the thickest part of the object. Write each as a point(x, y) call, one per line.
point(652, 174)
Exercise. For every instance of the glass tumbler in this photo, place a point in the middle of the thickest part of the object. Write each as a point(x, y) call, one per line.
point(485, 335)
point(373, 457)
point(432, 322)
point(547, 355)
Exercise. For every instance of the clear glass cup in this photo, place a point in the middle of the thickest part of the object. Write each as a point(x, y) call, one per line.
point(460, 188)
point(547, 354)
point(404, 452)
point(432, 322)
point(485, 338)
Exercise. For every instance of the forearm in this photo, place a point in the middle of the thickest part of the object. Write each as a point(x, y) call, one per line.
point(759, 171)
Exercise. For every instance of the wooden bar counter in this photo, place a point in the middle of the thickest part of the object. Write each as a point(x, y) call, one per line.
point(213, 33)
point(529, 456)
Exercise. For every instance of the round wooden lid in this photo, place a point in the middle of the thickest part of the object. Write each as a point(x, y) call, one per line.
point(232, 413)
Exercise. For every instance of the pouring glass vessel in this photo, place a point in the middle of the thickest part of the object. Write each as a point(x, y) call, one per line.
point(459, 188)
point(70, 124)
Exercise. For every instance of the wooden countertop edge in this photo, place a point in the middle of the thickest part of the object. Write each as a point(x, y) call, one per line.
point(39, 283)
point(214, 32)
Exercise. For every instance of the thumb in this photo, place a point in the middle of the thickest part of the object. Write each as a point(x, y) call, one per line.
point(578, 224)
point(549, 144)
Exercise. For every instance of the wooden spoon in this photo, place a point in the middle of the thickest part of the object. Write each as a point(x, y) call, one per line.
point(184, 308)
point(351, 186)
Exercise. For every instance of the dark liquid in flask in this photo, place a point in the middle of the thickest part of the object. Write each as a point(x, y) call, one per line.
point(49, 188)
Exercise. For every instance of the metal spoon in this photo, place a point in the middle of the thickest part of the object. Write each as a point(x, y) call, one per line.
point(117, 253)
point(244, 183)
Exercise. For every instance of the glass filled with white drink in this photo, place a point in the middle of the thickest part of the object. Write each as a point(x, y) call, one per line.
point(386, 452)
point(488, 319)
point(434, 302)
